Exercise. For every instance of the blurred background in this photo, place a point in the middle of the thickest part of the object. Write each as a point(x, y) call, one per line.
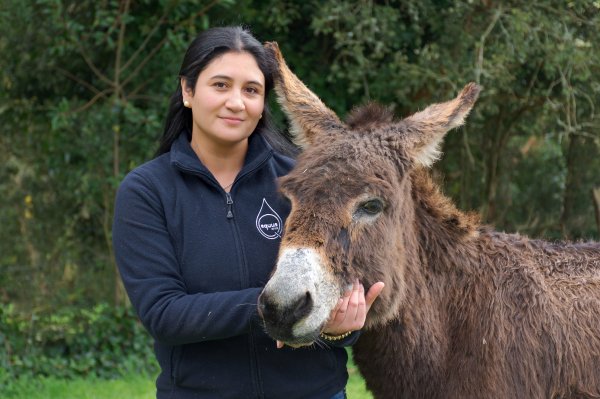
point(84, 88)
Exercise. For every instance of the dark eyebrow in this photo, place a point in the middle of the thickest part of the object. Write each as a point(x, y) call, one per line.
point(254, 82)
point(225, 77)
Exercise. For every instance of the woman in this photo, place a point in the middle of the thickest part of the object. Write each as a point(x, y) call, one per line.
point(191, 250)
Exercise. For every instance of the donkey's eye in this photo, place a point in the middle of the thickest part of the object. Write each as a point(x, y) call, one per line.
point(371, 207)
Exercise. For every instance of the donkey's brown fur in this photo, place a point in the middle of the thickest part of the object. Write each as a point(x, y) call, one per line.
point(467, 312)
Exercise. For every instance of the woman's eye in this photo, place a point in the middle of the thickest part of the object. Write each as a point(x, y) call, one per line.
point(220, 85)
point(371, 207)
point(251, 90)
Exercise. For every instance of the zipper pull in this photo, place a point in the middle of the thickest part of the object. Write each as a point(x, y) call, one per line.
point(229, 204)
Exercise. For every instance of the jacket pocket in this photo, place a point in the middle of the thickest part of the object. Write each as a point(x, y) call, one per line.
point(207, 368)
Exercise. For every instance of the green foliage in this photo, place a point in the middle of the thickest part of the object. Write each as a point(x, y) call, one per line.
point(103, 341)
point(84, 91)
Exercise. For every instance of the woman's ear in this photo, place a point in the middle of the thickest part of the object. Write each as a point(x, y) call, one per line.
point(186, 91)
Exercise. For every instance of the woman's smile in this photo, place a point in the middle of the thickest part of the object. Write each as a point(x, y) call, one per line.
point(231, 120)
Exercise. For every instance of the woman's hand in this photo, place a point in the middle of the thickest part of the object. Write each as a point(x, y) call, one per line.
point(351, 310)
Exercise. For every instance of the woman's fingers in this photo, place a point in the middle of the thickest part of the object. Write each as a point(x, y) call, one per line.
point(361, 311)
point(350, 312)
point(373, 293)
point(342, 308)
point(365, 305)
point(356, 300)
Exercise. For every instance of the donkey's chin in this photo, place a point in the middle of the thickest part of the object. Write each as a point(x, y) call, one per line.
point(298, 345)
point(292, 340)
point(301, 333)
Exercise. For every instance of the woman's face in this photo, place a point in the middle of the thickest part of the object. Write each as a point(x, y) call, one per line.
point(228, 99)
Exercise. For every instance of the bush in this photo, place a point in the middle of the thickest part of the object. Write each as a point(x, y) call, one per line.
point(104, 341)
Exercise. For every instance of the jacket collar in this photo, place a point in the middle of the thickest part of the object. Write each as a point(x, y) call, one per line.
point(185, 159)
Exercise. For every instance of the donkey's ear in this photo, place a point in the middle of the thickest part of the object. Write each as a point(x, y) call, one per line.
point(426, 129)
point(309, 117)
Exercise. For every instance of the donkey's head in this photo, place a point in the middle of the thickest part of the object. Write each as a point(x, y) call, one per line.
point(352, 211)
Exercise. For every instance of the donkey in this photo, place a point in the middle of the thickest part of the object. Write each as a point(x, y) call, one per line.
point(467, 312)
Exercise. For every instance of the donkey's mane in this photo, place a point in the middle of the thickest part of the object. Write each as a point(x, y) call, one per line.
point(430, 198)
point(369, 116)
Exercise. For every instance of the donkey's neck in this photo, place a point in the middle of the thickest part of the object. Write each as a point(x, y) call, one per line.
point(452, 241)
point(417, 338)
point(442, 230)
point(448, 261)
point(422, 336)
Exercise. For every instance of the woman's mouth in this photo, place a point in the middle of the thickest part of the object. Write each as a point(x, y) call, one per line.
point(231, 120)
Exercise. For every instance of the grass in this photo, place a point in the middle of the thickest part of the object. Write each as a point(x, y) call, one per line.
point(132, 386)
point(356, 388)
point(129, 387)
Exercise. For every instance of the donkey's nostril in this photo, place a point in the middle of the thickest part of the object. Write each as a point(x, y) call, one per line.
point(303, 306)
point(266, 308)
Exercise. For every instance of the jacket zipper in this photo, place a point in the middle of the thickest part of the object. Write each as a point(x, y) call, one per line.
point(228, 198)
point(229, 206)
point(254, 366)
point(229, 202)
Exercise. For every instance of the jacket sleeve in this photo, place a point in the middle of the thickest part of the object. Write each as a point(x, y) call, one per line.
point(147, 262)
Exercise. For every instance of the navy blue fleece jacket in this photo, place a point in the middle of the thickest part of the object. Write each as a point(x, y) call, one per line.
point(194, 259)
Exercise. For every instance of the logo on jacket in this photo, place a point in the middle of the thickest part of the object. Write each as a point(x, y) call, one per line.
point(268, 222)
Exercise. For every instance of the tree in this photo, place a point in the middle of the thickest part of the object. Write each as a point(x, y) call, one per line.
point(596, 196)
point(88, 85)
point(85, 90)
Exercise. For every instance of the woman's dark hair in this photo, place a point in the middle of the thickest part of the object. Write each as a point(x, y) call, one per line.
point(205, 48)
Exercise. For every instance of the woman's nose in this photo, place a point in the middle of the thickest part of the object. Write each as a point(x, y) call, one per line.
point(235, 102)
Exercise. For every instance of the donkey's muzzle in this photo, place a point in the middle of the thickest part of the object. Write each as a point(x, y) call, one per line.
point(287, 313)
point(280, 318)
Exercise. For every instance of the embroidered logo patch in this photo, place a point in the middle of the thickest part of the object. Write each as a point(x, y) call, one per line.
point(268, 222)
